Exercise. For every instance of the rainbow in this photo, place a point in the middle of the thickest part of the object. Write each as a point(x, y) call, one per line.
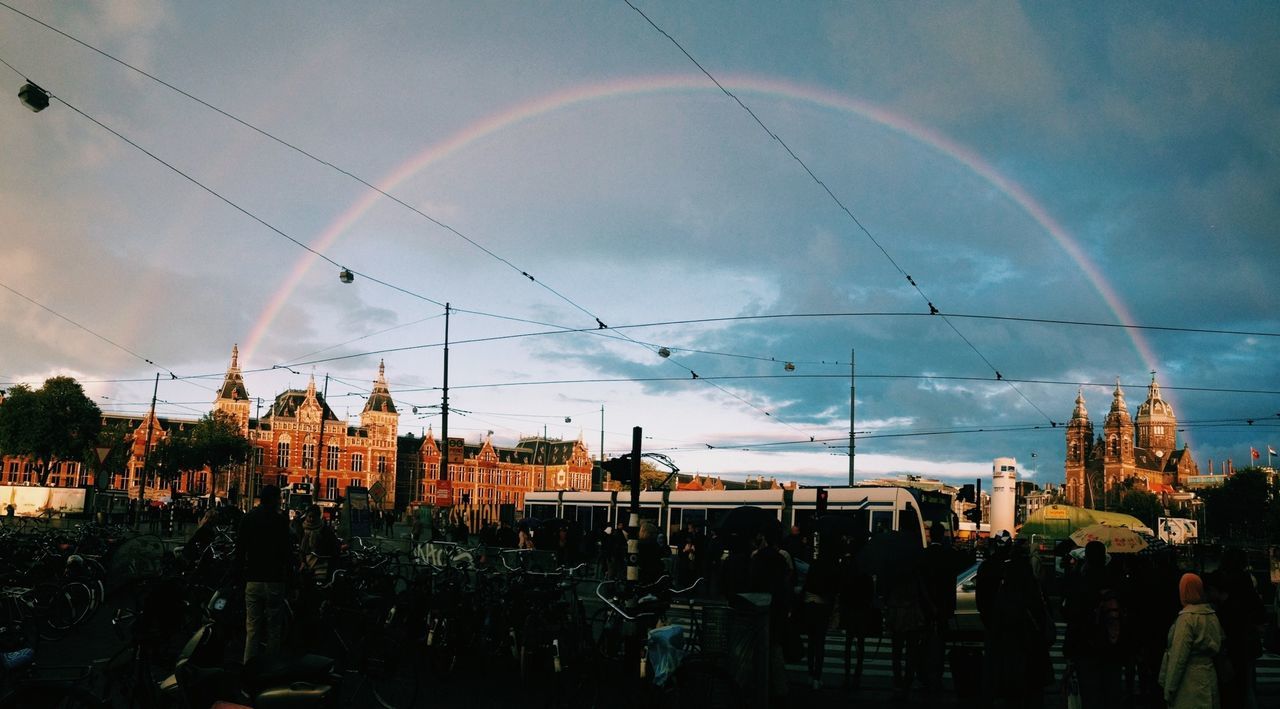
point(587, 93)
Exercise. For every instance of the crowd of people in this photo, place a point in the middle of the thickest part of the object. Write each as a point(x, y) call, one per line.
point(1136, 627)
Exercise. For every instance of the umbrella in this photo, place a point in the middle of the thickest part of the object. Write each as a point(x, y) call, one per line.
point(749, 521)
point(1117, 540)
point(887, 554)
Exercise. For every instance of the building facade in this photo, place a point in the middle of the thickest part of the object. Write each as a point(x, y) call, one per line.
point(299, 439)
point(1142, 448)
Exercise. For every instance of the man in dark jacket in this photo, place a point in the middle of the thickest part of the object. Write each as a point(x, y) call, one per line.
point(264, 558)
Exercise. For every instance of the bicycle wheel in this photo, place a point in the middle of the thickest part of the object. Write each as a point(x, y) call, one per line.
point(606, 634)
point(72, 607)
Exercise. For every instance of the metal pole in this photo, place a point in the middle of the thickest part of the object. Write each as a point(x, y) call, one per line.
point(320, 445)
point(633, 525)
point(444, 404)
point(853, 451)
point(602, 435)
point(546, 449)
point(146, 455)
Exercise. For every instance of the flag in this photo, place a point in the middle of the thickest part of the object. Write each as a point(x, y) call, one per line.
point(1254, 452)
point(1271, 450)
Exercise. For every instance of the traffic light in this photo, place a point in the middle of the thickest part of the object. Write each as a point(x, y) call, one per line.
point(822, 501)
point(618, 468)
point(974, 514)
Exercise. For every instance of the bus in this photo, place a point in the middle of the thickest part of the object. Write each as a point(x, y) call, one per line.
point(878, 508)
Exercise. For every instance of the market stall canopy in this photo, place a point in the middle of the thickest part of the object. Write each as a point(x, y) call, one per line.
point(1059, 521)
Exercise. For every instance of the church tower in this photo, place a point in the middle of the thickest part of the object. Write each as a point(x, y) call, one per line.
point(382, 421)
point(1079, 442)
point(1156, 424)
point(232, 398)
point(1117, 439)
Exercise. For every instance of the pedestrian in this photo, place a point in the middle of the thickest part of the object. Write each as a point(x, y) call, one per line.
point(1019, 638)
point(415, 529)
point(1095, 626)
point(506, 535)
point(860, 613)
point(9, 510)
point(1187, 671)
point(1240, 612)
point(769, 571)
point(317, 546)
point(819, 602)
point(650, 554)
point(264, 558)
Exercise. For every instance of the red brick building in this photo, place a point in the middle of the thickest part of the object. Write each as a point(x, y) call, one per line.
point(1142, 448)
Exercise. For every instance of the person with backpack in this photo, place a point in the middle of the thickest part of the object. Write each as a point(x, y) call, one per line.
point(1094, 615)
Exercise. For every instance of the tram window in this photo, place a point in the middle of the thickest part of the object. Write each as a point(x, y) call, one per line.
point(540, 511)
point(682, 517)
point(716, 517)
point(570, 512)
point(881, 521)
point(804, 519)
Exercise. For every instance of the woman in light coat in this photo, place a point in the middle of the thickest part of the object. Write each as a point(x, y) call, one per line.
point(1187, 673)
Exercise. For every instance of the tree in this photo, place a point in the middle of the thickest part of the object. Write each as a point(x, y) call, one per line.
point(55, 422)
point(1240, 508)
point(1143, 505)
point(216, 442)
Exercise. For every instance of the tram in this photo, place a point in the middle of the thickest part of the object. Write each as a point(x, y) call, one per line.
point(879, 508)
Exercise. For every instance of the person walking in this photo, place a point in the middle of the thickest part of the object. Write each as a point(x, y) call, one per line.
point(1187, 671)
point(264, 558)
point(820, 588)
point(1240, 612)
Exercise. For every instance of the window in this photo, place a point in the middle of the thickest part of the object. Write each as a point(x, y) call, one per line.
point(331, 489)
point(308, 455)
point(282, 454)
point(257, 456)
point(284, 479)
point(26, 473)
point(382, 464)
point(13, 471)
point(357, 462)
point(332, 462)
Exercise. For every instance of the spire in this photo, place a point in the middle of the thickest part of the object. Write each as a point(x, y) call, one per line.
point(1117, 402)
point(1080, 413)
point(380, 398)
point(311, 386)
point(233, 383)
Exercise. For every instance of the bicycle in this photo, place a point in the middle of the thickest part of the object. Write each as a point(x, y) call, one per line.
point(662, 671)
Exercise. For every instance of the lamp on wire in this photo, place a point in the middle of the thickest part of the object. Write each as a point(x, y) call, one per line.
point(663, 352)
point(33, 97)
point(789, 366)
point(346, 276)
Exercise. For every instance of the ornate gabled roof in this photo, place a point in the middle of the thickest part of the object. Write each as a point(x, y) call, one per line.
point(539, 451)
point(233, 384)
point(380, 397)
point(287, 404)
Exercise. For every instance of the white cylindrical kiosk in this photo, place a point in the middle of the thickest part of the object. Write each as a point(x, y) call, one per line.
point(1004, 487)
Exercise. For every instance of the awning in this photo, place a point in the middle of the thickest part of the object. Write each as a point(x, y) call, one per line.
point(1161, 488)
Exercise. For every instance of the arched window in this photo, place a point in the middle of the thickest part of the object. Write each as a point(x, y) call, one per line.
point(1115, 445)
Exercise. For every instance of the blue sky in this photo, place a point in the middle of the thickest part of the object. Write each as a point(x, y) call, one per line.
point(1016, 160)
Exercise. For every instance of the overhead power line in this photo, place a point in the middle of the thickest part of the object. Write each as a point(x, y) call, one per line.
point(838, 202)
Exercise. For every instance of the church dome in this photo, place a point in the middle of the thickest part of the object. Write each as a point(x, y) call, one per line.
point(1155, 408)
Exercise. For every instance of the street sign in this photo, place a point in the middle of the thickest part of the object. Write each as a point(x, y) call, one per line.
point(444, 493)
point(377, 491)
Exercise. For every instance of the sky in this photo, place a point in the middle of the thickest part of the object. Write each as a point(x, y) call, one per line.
point(1043, 173)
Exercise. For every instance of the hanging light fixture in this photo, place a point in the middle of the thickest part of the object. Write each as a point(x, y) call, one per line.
point(789, 366)
point(346, 276)
point(663, 352)
point(33, 97)
point(568, 419)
